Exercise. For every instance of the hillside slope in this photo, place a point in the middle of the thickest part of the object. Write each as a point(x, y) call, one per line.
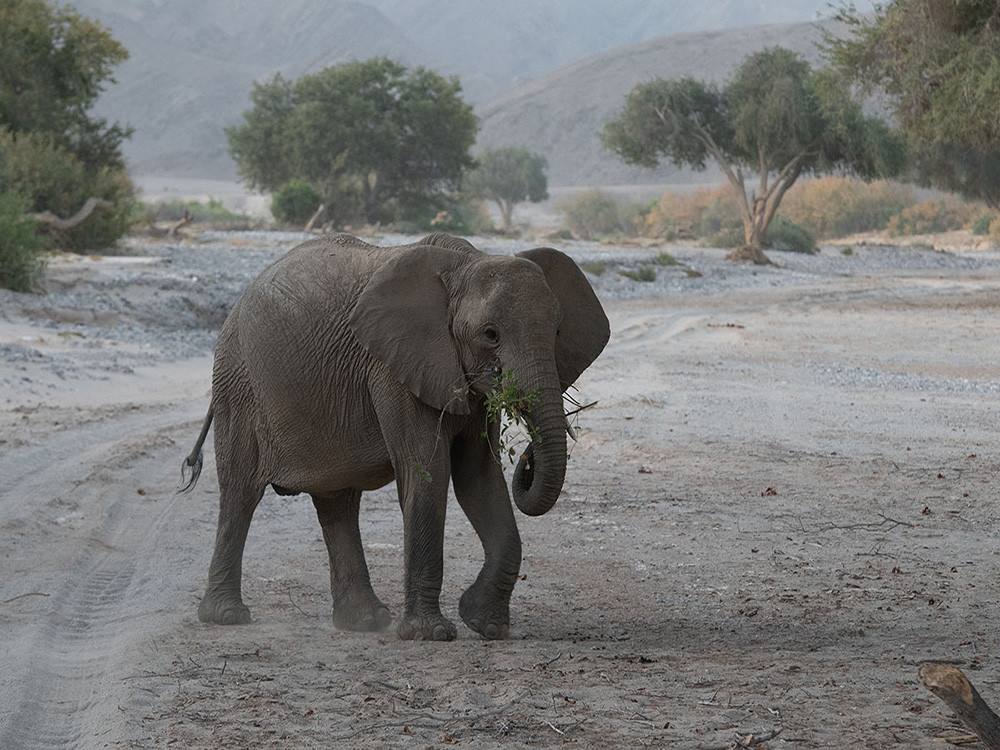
point(560, 114)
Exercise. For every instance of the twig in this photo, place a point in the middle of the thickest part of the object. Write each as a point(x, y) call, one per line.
point(21, 596)
point(292, 602)
point(553, 660)
point(886, 521)
point(438, 720)
point(752, 740)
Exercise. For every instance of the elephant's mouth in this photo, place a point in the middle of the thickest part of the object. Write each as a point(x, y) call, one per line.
point(524, 472)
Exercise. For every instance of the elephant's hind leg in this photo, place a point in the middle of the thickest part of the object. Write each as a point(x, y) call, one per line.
point(223, 602)
point(355, 606)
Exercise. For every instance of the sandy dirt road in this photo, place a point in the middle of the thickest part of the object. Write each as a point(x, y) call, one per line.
point(784, 502)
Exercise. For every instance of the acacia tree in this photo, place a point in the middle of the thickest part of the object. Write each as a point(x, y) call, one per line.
point(373, 137)
point(508, 176)
point(937, 65)
point(776, 118)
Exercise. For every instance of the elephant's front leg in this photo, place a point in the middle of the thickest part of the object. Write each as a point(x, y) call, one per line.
point(482, 492)
point(355, 606)
point(423, 495)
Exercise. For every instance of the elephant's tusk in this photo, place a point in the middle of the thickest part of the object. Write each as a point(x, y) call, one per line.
point(571, 430)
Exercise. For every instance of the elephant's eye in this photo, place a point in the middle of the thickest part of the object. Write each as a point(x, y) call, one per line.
point(491, 335)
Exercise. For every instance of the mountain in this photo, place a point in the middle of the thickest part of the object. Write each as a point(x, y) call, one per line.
point(560, 114)
point(193, 62)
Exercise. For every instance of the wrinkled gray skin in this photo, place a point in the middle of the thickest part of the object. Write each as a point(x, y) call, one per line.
point(344, 366)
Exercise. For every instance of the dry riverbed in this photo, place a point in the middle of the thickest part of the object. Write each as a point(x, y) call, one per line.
point(784, 502)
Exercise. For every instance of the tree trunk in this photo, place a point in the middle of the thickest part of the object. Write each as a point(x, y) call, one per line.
point(753, 229)
point(750, 254)
point(315, 217)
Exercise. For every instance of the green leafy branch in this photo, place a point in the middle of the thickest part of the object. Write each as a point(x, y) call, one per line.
point(507, 404)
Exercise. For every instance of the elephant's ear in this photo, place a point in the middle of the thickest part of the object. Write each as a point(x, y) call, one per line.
point(402, 319)
point(584, 329)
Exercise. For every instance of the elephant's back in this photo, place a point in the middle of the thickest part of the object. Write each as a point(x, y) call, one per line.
point(328, 271)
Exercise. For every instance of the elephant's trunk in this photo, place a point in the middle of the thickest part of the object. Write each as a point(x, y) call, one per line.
point(538, 476)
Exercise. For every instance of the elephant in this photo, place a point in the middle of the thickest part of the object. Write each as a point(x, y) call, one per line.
point(344, 366)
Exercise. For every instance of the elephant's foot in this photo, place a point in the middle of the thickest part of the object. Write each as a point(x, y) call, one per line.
point(223, 609)
point(487, 615)
point(362, 612)
point(432, 628)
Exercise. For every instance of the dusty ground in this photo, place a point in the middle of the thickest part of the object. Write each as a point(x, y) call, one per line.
point(785, 501)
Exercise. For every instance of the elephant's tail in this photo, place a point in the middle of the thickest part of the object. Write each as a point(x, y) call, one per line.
point(193, 463)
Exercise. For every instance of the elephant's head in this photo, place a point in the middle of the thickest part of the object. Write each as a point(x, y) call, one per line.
point(446, 319)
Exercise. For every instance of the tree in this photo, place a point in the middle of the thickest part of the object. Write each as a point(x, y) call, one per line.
point(55, 158)
point(936, 63)
point(508, 176)
point(375, 139)
point(776, 118)
point(937, 60)
point(972, 172)
point(54, 63)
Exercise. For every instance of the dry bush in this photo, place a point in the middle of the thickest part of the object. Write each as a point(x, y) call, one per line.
point(837, 206)
point(702, 213)
point(930, 216)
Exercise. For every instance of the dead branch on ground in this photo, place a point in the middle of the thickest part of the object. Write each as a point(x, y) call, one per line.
point(949, 684)
point(54, 222)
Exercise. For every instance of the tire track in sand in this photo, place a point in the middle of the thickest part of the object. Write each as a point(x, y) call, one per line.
point(68, 652)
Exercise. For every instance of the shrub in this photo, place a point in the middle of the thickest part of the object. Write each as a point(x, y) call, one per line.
point(210, 212)
point(838, 206)
point(666, 259)
point(982, 223)
point(20, 244)
point(932, 216)
point(295, 202)
point(593, 214)
point(53, 179)
point(595, 267)
point(701, 213)
point(642, 273)
point(789, 237)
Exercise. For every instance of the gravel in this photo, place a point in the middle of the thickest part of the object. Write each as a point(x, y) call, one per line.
point(156, 300)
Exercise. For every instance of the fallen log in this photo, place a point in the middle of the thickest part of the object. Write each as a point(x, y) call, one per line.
point(171, 229)
point(50, 219)
point(949, 684)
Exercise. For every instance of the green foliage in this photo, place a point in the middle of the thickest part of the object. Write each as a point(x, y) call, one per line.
point(210, 212)
point(379, 141)
point(54, 179)
point(982, 224)
point(789, 237)
point(594, 267)
point(295, 202)
point(508, 176)
point(20, 244)
point(838, 206)
point(973, 173)
point(642, 273)
point(666, 259)
point(54, 63)
point(937, 60)
point(775, 117)
point(507, 405)
point(593, 214)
